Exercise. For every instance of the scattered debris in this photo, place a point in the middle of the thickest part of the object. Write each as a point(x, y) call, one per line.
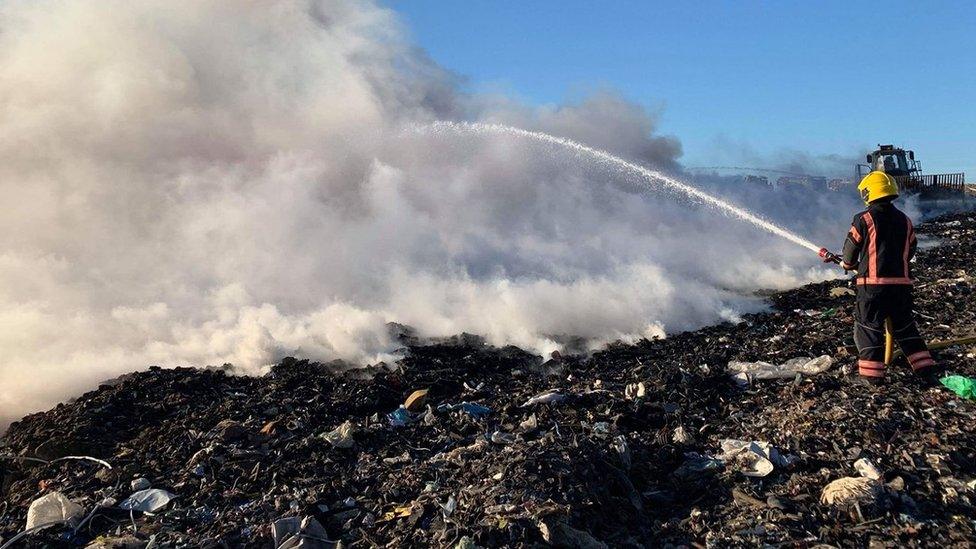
point(466, 543)
point(635, 391)
point(473, 409)
point(295, 533)
point(961, 385)
point(682, 436)
point(400, 417)
point(342, 436)
point(841, 291)
point(753, 459)
point(749, 371)
point(147, 501)
point(620, 448)
point(416, 402)
point(560, 534)
point(848, 491)
point(694, 467)
point(52, 508)
point(229, 430)
point(397, 512)
point(117, 542)
point(549, 397)
point(867, 469)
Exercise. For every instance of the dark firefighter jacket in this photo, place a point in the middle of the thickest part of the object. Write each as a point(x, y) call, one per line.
point(880, 245)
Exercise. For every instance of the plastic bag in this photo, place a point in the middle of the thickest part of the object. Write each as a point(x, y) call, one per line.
point(754, 458)
point(51, 508)
point(961, 385)
point(747, 371)
point(342, 436)
point(473, 409)
point(147, 501)
point(400, 417)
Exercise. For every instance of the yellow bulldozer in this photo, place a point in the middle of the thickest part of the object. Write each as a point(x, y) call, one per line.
point(907, 171)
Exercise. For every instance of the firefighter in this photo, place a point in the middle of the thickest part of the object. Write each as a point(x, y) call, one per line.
point(880, 246)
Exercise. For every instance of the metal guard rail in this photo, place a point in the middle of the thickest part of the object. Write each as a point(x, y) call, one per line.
point(947, 181)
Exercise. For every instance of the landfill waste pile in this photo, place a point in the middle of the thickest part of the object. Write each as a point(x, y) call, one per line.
point(461, 444)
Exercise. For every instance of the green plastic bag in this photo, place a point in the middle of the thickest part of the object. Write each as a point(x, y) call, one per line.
point(961, 385)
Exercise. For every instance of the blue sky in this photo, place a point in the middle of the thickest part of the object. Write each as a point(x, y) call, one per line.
point(824, 77)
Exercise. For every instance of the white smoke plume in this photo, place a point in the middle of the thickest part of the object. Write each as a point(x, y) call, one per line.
point(211, 181)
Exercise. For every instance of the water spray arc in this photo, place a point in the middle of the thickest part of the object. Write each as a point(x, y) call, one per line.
point(649, 176)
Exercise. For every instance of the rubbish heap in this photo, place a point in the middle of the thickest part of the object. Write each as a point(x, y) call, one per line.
point(461, 444)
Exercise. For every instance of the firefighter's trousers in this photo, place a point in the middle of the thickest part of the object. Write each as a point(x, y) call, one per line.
point(875, 303)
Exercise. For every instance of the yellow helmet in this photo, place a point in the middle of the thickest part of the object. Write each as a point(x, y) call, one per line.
point(877, 185)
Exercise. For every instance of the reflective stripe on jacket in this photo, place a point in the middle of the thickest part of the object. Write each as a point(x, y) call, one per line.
point(880, 244)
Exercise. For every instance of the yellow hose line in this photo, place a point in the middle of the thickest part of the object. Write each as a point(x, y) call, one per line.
point(889, 343)
point(965, 340)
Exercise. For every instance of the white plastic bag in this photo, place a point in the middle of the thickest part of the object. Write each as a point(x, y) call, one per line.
point(51, 508)
point(787, 370)
point(147, 501)
point(754, 458)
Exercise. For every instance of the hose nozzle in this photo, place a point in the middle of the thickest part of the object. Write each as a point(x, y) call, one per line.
point(828, 256)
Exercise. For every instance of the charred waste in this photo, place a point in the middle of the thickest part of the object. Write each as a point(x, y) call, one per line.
point(461, 444)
